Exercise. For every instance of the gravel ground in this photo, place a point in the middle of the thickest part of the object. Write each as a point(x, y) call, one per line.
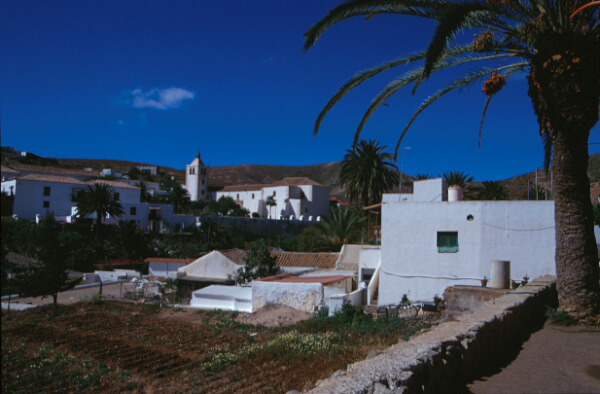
point(555, 359)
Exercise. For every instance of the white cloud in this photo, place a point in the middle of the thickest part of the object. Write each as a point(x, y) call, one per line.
point(161, 99)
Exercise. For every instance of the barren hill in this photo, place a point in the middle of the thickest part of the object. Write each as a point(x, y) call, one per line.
point(327, 174)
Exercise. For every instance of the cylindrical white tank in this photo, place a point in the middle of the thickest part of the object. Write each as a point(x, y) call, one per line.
point(455, 193)
point(500, 274)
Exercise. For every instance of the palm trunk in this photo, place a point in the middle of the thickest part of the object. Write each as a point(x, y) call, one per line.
point(564, 86)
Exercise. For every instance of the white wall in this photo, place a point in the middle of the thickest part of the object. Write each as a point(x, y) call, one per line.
point(29, 198)
point(164, 269)
point(213, 265)
point(251, 199)
point(233, 298)
point(519, 231)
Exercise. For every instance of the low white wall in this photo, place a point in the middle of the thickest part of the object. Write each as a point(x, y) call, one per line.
point(302, 296)
point(336, 302)
point(108, 276)
point(231, 298)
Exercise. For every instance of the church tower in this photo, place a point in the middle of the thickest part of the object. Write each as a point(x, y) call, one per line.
point(196, 180)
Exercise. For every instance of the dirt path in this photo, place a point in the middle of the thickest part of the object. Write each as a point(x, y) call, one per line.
point(555, 359)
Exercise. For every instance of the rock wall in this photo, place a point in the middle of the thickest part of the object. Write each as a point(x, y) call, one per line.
point(304, 297)
point(443, 359)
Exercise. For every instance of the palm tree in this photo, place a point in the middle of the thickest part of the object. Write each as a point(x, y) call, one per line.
point(421, 177)
point(367, 172)
point(491, 190)
point(557, 44)
point(270, 202)
point(462, 180)
point(99, 198)
point(177, 196)
point(344, 224)
point(144, 191)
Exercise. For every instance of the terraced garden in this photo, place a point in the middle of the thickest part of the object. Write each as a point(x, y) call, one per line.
point(119, 347)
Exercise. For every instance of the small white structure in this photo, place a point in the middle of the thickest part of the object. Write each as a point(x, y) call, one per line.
point(230, 298)
point(292, 197)
point(165, 268)
point(430, 243)
point(216, 266)
point(196, 180)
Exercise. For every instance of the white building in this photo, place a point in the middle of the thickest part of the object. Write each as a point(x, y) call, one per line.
point(40, 194)
point(37, 195)
point(196, 180)
point(431, 242)
point(293, 197)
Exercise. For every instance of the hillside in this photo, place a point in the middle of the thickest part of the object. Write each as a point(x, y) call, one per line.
point(327, 174)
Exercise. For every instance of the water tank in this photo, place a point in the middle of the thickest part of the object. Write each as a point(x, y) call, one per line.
point(455, 193)
point(500, 274)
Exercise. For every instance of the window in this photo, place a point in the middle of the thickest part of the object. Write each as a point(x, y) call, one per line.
point(447, 241)
point(132, 211)
point(274, 193)
point(253, 196)
point(76, 195)
point(192, 171)
point(203, 181)
point(47, 190)
point(117, 196)
point(46, 204)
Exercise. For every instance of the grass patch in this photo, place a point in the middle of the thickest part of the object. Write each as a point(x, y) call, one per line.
point(560, 318)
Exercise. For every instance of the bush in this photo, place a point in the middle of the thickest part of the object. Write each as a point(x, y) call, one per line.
point(560, 318)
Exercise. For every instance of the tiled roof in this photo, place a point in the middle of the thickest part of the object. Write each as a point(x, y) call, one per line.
point(167, 260)
point(235, 255)
point(290, 181)
point(289, 278)
point(112, 183)
point(313, 260)
point(51, 170)
point(8, 170)
point(295, 181)
point(243, 188)
point(51, 178)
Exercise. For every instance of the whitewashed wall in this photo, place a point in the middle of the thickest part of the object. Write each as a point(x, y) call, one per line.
point(232, 298)
point(213, 265)
point(164, 269)
point(519, 231)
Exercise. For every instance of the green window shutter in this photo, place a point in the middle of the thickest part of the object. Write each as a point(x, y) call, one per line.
point(447, 241)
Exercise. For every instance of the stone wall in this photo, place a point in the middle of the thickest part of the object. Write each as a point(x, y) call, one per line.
point(444, 358)
point(305, 297)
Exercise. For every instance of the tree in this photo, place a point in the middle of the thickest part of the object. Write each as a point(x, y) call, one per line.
point(259, 263)
point(491, 190)
point(421, 177)
point(144, 191)
point(99, 198)
point(226, 206)
point(177, 196)
point(344, 225)
point(48, 276)
point(557, 43)
point(462, 180)
point(270, 202)
point(367, 172)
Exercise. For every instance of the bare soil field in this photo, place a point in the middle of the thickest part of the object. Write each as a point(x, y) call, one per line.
point(119, 347)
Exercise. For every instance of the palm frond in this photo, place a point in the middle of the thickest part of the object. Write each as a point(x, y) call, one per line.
point(451, 21)
point(360, 78)
point(413, 75)
point(349, 9)
point(485, 108)
point(458, 83)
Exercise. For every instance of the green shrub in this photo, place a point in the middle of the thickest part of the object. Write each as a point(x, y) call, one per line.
point(560, 318)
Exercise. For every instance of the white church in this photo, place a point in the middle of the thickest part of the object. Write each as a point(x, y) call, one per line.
point(292, 198)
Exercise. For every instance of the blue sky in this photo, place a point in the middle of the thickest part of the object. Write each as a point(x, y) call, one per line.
point(156, 81)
